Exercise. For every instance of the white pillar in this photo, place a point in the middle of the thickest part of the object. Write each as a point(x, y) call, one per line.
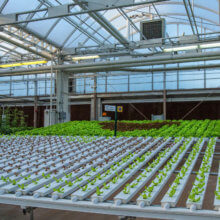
point(62, 93)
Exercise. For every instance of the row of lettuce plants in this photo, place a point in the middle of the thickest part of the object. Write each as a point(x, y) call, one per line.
point(116, 182)
point(196, 196)
point(217, 192)
point(52, 164)
point(71, 186)
point(112, 173)
point(175, 191)
point(150, 193)
point(133, 187)
point(193, 128)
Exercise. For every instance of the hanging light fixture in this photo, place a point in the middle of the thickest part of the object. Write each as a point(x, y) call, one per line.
point(22, 63)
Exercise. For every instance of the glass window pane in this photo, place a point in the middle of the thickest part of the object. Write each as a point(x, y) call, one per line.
point(4, 88)
point(101, 84)
point(141, 82)
point(117, 83)
point(171, 80)
point(158, 81)
point(19, 88)
point(89, 86)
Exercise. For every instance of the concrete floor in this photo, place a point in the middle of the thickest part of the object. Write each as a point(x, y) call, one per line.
point(10, 212)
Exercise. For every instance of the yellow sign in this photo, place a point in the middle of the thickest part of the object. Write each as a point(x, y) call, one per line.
point(120, 108)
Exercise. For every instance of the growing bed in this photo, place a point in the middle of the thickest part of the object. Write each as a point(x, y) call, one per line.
point(130, 176)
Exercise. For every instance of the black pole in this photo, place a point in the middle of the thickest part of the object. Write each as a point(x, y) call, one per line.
point(116, 119)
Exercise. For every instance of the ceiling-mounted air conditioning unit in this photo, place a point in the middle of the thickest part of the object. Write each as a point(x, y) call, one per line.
point(153, 29)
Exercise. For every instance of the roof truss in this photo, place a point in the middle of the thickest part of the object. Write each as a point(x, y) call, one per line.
point(65, 10)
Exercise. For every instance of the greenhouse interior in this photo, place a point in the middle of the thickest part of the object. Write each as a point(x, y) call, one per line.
point(109, 109)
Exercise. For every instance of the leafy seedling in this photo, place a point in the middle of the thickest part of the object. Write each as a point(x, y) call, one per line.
point(93, 182)
point(78, 180)
point(114, 180)
point(93, 169)
point(27, 177)
point(69, 183)
point(47, 186)
point(98, 191)
point(35, 181)
point(106, 186)
point(21, 186)
point(126, 189)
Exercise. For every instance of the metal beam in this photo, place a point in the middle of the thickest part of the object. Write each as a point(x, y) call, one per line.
point(140, 94)
point(161, 100)
point(11, 50)
point(168, 69)
point(158, 14)
point(3, 5)
point(123, 13)
point(131, 97)
point(24, 27)
point(16, 18)
point(104, 23)
point(95, 31)
point(37, 35)
point(69, 20)
point(52, 27)
point(118, 64)
point(151, 94)
point(109, 48)
point(27, 39)
point(41, 54)
point(68, 37)
point(168, 23)
point(30, 16)
point(191, 17)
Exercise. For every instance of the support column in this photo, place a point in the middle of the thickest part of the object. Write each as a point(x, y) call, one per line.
point(128, 30)
point(62, 93)
point(164, 96)
point(128, 82)
point(164, 105)
point(35, 101)
point(205, 78)
point(35, 111)
point(99, 108)
point(178, 77)
point(219, 10)
point(106, 83)
point(152, 81)
point(93, 110)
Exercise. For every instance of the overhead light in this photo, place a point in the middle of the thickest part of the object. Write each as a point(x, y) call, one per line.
point(86, 57)
point(173, 49)
point(22, 64)
point(211, 45)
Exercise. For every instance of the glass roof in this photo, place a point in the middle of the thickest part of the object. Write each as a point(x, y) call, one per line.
point(83, 30)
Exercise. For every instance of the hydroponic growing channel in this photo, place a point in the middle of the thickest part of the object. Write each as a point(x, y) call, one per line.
point(130, 176)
